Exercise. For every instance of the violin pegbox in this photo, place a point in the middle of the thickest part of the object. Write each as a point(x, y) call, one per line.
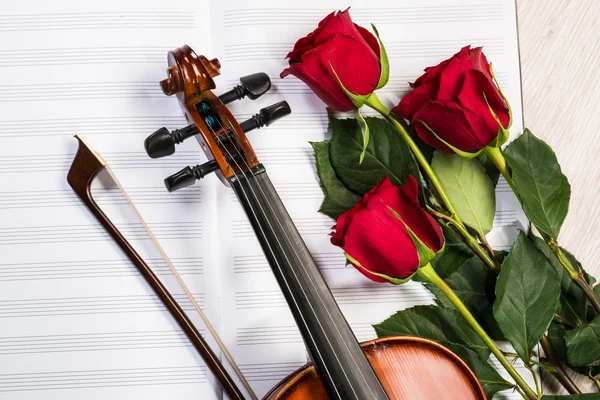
point(223, 139)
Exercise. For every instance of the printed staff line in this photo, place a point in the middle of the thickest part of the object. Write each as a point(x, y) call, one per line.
point(358, 12)
point(420, 43)
point(414, 49)
point(84, 233)
point(425, 19)
point(90, 305)
point(345, 296)
point(258, 263)
point(81, 90)
point(306, 226)
point(102, 378)
point(262, 335)
point(392, 53)
point(94, 269)
point(296, 190)
point(93, 342)
point(379, 14)
point(121, 160)
point(269, 371)
point(107, 197)
point(95, 125)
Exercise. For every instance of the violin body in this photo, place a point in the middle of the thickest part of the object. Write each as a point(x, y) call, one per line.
point(408, 368)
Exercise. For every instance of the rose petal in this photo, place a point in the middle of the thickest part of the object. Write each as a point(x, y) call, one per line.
point(380, 243)
point(479, 116)
point(370, 39)
point(340, 24)
point(415, 100)
point(405, 203)
point(306, 43)
point(356, 65)
point(452, 77)
point(448, 121)
point(471, 97)
point(480, 62)
point(431, 74)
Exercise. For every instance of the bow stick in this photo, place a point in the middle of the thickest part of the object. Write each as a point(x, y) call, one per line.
point(86, 166)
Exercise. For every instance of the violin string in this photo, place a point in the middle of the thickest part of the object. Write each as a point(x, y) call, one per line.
point(285, 255)
point(312, 283)
point(185, 288)
point(268, 244)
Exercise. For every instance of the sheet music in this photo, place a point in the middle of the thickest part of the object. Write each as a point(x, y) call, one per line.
point(258, 328)
point(76, 319)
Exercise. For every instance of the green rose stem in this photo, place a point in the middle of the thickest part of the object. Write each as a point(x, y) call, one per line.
point(555, 367)
point(429, 273)
point(374, 102)
point(576, 275)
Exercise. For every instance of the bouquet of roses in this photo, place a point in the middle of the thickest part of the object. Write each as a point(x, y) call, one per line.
point(414, 198)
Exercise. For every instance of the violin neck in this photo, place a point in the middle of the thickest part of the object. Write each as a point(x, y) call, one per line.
point(335, 352)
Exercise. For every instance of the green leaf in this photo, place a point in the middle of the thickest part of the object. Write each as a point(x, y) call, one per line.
point(544, 190)
point(572, 299)
point(386, 155)
point(527, 296)
point(556, 335)
point(490, 379)
point(469, 188)
point(585, 396)
point(583, 344)
point(385, 63)
point(338, 199)
point(455, 254)
point(475, 285)
point(364, 129)
point(442, 325)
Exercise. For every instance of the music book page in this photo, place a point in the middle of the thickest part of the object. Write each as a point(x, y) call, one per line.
point(76, 319)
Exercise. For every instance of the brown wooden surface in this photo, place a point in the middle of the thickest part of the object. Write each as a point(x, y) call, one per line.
point(408, 367)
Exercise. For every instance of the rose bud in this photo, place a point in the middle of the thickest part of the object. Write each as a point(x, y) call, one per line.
point(387, 235)
point(339, 61)
point(456, 106)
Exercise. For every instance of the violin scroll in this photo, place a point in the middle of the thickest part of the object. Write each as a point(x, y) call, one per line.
point(223, 139)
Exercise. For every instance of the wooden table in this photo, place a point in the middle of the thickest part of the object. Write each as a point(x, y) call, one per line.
point(560, 64)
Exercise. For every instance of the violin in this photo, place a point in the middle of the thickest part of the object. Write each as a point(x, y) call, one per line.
point(341, 368)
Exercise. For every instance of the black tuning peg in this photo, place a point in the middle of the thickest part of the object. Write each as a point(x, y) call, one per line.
point(189, 175)
point(162, 142)
point(253, 86)
point(266, 116)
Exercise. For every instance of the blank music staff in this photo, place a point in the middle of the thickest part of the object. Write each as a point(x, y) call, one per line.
point(99, 378)
point(405, 49)
point(96, 20)
point(392, 15)
point(86, 268)
point(61, 306)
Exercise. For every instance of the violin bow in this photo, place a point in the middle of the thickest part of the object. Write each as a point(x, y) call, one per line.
point(85, 167)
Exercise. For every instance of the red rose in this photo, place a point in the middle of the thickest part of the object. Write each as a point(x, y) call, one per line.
point(351, 50)
point(448, 99)
point(373, 236)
